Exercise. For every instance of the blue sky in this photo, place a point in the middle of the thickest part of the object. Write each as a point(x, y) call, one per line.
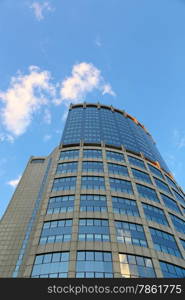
point(128, 53)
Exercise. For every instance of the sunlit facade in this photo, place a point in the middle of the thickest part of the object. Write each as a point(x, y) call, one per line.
point(103, 204)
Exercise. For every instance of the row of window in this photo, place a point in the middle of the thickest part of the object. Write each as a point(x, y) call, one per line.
point(98, 264)
point(94, 203)
point(111, 155)
point(98, 230)
point(117, 185)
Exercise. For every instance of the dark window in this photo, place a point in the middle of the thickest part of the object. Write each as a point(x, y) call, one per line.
point(37, 161)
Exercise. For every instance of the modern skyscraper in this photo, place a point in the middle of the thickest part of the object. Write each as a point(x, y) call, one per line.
point(102, 204)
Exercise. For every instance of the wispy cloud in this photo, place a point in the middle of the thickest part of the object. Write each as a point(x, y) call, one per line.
point(47, 137)
point(179, 138)
point(40, 9)
point(98, 42)
point(13, 183)
point(47, 116)
point(26, 94)
point(84, 79)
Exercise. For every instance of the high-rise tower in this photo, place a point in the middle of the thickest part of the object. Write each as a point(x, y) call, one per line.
point(102, 204)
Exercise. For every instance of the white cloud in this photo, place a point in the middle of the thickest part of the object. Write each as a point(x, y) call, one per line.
point(6, 138)
point(47, 137)
point(13, 183)
point(84, 79)
point(107, 89)
point(26, 94)
point(40, 8)
point(47, 116)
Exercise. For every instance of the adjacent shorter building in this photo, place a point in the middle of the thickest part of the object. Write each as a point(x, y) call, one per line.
point(102, 204)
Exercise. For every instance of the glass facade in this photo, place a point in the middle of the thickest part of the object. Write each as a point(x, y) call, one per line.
point(117, 169)
point(155, 214)
point(64, 183)
point(93, 203)
point(70, 167)
point(92, 166)
point(134, 266)
point(60, 204)
point(147, 193)
point(172, 271)
point(136, 162)
point(178, 223)
point(120, 185)
point(125, 206)
point(141, 176)
point(69, 154)
point(93, 125)
point(170, 203)
point(92, 153)
point(155, 171)
point(115, 156)
point(92, 183)
point(93, 230)
point(130, 233)
point(51, 265)
point(164, 242)
point(56, 232)
point(92, 264)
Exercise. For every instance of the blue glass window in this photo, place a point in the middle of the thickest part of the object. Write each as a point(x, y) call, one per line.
point(92, 153)
point(117, 169)
point(155, 214)
point(130, 233)
point(170, 203)
point(141, 176)
point(164, 242)
point(51, 265)
point(178, 223)
point(155, 171)
point(60, 204)
point(69, 167)
point(179, 197)
point(93, 230)
point(93, 183)
point(136, 266)
point(120, 185)
point(136, 162)
point(92, 166)
point(93, 203)
point(170, 181)
point(115, 156)
point(171, 271)
point(161, 185)
point(64, 183)
point(94, 264)
point(147, 193)
point(70, 154)
point(56, 231)
point(125, 206)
